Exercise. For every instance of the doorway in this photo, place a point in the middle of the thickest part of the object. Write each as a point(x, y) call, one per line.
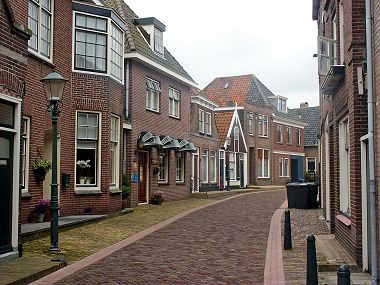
point(6, 191)
point(142, 177)
point(196, 171)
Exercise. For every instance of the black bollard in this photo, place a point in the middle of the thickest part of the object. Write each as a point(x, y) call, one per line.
point(311, 266)
point(287, 231)
point(343, 275)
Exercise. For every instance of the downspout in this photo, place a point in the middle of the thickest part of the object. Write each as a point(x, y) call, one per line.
point(371, 151)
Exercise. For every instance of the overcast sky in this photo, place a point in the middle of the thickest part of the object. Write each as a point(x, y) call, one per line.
point(274, 40)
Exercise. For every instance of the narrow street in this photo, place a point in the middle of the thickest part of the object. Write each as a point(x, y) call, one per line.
point(221, 244)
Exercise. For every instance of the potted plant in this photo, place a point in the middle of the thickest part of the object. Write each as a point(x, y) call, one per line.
point(41, 208)
point(157, 198)
point(83, 166)
point(40, 167)
point(126, 189)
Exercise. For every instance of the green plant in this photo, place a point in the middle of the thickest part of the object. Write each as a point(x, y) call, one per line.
point(310, 176)
point(126, 187)
point(42, 164)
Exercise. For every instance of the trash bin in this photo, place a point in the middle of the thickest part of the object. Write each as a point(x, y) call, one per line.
point(302, 195)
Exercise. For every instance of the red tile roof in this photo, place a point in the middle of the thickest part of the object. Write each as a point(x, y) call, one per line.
point(223, 122)
point(227, 91)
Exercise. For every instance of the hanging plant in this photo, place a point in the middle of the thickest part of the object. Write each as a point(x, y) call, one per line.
point(40, 167)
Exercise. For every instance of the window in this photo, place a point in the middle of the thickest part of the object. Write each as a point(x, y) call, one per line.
point(236, 139)
point(116, 52)
point(163, 167)
point(334, 48)
point(281, 105)
point(25, 154)
point(279, 133)
point(39, 22)
point(232, 165)
point(281, 167)
point(87, 149)
point(153, 92)
point(201, 121)
point(310, 164)
point(90, 43)
point(344, 167)
point(212, 167)
point(204, 165)
point(298, 137)
point(263, 125)
point(263, 163)
point(208, 123)
point(325, 54)
point(250, 124)
point(180, 166)
point(286, 167)
point(158, 41)
point(98, 46)
point(114, 151)
point(341, 32)
point(289, 135)
point(174, 103)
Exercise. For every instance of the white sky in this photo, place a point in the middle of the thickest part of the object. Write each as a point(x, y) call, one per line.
point(273, 39)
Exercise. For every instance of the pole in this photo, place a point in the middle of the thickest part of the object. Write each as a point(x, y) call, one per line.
point(228, 170)
point(287, 231)
point(343, 275)
point(54, 186)
point(311, 265)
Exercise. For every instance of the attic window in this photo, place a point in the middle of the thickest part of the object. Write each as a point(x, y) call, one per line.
point(158, 41)
point(281, 105)
point(226, 85)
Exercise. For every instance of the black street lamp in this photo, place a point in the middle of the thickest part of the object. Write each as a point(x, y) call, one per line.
point(54, 84)
point(228, 143)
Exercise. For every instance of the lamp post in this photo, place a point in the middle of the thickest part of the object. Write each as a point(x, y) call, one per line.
point(54, 84)
point(228, 143)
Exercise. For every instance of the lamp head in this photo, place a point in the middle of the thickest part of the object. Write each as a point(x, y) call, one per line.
point(54, 84)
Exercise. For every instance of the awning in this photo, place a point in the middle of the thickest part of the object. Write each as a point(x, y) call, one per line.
point(333, 79)
point(169, 143)
point(148, 139)
point(187, 146)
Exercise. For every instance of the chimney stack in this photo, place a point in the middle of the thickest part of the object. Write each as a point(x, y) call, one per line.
point(304, 105)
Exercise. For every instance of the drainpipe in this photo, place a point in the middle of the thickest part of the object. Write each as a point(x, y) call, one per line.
point(371, 151)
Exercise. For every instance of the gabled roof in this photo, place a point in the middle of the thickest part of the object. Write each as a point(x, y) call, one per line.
point(311, 116)
point(135, 42)
point(226, 91)
point(223, 122)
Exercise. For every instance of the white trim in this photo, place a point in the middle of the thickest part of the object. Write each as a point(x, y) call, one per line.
point(286, 168)
point(236, 118)
point(204, 102)
point(282, 167)
point(117, 153)
point(228, 108)
point(289, 122)
point(99, 150)
point(27, 155)
point(127, 126)
point(160, 67)
point(262, 166)
point(289, 153)
point(307, 162)
point(207, 164)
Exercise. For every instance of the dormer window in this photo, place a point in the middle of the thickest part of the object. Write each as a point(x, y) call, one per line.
point(159, 41)
point(282, 105)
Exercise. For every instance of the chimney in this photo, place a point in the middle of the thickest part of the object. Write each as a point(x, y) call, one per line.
point(304, 105)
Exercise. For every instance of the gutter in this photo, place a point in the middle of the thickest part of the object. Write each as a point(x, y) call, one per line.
point(371, 150)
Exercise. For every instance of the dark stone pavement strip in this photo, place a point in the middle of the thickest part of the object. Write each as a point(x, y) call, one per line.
point(221, 244)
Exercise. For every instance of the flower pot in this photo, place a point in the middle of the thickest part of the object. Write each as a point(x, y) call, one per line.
point(41, 217)
point(47, 216)
point(82, 180)
point(39, 175)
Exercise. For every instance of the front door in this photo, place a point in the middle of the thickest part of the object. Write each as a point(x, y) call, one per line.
point(6, 193)
point(294, 169)
point(241, 168)
point(142, 177)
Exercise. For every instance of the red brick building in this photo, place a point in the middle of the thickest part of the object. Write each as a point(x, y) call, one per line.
point(344, 128)
point(274, 137)
point(14, 36)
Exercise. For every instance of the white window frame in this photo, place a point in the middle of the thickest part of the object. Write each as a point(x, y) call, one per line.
point(311, 159)
point(281, 105)
point(37, 51)
point(159, 41)
point(180, 167)
point(25, 155)
point(110, 25)
point(289, 135)
point(232, 165)
point(201, 121)
point(212, 162)
point(262, 174)
point(325, 54)
point(116, 51)
point(344, 167)
point(208, 123)
point(298, 137)
point(341, 32)
point(174, 102)
point(163, 158)
point(281, 167)
point(263, 126)
point(250, 124)
point(279, 134)
point(153, 95)
point(286, 167)
point(205, 165)
point(97, 184)
point(115, 142)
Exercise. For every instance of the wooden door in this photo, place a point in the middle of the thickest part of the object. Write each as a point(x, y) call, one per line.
point(142, 176)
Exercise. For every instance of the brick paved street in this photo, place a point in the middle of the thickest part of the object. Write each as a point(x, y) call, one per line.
point(221, 244)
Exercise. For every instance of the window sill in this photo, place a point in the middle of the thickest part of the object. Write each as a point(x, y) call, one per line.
point(263, 177)
point(114, 190)
point(265, 137)
point(174, 117)
point(280, 143)
point(88, 191)
point(344, 220)
point(26, 195)
point(41, 58)
point(180, 183)
point(153, 111)
point(163, 183)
